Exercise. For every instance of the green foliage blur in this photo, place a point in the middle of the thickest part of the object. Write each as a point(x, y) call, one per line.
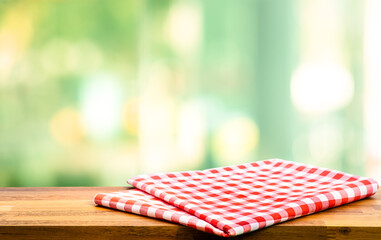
point(95, 92)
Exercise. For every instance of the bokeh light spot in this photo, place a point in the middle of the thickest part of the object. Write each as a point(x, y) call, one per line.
point(184, 26)
point(131, 116)
point(66, 126)
point(236, 139)
point(321, 88)
point(101, 106)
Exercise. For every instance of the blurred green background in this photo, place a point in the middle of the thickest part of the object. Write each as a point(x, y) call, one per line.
point(93, 92)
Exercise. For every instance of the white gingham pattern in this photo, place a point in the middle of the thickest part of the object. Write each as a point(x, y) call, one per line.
point(229, 201)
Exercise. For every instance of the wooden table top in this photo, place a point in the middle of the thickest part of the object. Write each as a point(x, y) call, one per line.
point(68, 212)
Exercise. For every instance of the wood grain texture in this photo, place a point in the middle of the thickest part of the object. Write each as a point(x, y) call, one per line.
point(69, 213)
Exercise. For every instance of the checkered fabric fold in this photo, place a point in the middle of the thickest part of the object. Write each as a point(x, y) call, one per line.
point(229, 201)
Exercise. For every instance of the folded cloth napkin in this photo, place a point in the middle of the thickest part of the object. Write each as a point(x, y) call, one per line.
point(229, 201)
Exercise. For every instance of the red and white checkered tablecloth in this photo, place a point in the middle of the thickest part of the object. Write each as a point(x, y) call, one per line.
point(229, 201)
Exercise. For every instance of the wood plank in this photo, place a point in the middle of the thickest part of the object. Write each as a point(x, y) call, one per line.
point(68, 212)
